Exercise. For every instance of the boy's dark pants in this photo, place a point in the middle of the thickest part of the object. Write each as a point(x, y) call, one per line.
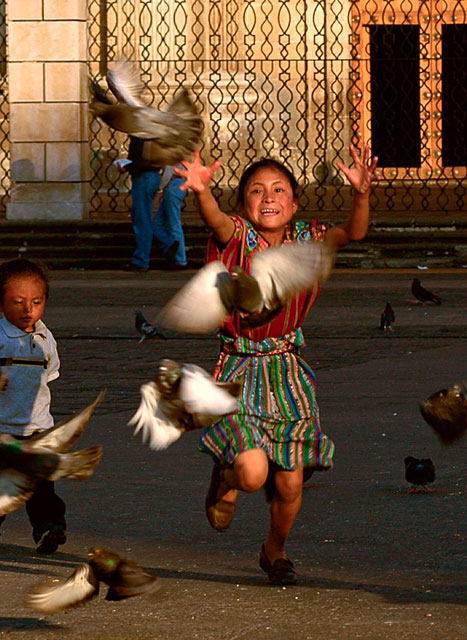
point(44, 508)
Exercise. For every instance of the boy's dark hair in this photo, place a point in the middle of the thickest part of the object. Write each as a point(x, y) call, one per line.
point(269, 163)
point(21, 267)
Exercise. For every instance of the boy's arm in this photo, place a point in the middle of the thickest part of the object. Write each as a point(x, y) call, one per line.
point(197, 177)
point(360, 177)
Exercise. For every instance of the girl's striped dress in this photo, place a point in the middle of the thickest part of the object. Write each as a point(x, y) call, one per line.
point(277, 409)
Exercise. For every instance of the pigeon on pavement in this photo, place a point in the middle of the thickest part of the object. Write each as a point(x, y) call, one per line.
point(172, 134)
point(419, 472)
point(182, 397)
point(146, 329)
point(277, 274)
point(24, 463)
point(446, 412)
point(422, 294)
point(123, 577)
point(387, 318)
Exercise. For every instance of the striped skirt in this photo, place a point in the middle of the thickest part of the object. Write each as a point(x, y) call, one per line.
point(277, 409)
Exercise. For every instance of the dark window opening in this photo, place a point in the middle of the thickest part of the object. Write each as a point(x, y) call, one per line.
point(454, 79)
point(395, 95)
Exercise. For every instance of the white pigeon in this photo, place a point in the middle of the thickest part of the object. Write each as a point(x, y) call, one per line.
point(182, 397)
point(24, 463)
point(277, 274)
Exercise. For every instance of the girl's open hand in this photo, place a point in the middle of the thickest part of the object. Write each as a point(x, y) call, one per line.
point(362, 174)
point(197, 175)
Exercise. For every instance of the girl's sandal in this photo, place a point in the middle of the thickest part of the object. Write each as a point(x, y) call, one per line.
point(281, 572)
point(220, 513)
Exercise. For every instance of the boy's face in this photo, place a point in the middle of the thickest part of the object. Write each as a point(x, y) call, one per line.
point(24, 301)
point(269, 201)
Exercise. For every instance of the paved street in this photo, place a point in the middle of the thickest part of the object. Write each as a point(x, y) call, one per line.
point(374, 561)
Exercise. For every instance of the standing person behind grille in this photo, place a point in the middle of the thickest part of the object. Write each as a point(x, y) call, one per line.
point(165, 225)
point(276, 429)
point(28, 362)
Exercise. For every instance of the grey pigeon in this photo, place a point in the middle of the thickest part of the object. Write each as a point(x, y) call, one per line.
point(446, 412)
point(387, 318)
point(146, 329)
point(24, 463)
point(172, 134)
point(277, 274)
point(182, 397)
point(422, 294)
point(420, 473)
point(123, 577)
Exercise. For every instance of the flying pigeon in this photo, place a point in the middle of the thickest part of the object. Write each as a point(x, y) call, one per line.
point(145, 329)
point(182, 397)
point(419, 472)
point(277, 274)
point(446, 412)
point(387, 318)
point(422, 294)
point(23, 463)
point(123, 577)
point(173, 134)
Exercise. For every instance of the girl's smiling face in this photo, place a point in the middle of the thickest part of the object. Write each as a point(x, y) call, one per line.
point(269, 203)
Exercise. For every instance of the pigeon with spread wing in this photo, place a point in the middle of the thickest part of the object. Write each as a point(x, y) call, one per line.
point(123, 577)
point(172, 134)
point(182, 397)
point(277, 274)
point(446, 412)
point(24, 463)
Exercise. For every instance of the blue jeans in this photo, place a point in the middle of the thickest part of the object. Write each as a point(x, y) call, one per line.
point(165, 226)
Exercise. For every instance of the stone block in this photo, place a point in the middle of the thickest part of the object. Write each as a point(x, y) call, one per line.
point(27, 162)
point(43, 41)
point(65, 9)
point(47, 122)
point(25, 10)
point(67, 161)
point(26, 81)
point(49, 201)
point(65, 82)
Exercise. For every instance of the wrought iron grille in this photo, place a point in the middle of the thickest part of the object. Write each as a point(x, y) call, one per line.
point(301, 81)
point(4, 113)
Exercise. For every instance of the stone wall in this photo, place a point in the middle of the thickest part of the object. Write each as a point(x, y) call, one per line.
point(48, 109)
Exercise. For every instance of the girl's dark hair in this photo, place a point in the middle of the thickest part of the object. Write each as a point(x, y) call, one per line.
point(269, 163)
point(22, 267)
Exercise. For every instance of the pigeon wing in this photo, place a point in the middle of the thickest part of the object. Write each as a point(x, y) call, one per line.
point(125, 83)
point(197, 307)
point(200, 393)
point(15, 489)
point(77, 464)
point(63, 435)
point(285, 271)
point(158, 430)
point(80, 587)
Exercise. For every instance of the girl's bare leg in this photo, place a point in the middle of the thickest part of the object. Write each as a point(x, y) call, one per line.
point(248, 473)
point(285, 507)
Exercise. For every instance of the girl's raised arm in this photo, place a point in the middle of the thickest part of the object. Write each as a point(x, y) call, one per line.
point(360, 176)
point(197, 177)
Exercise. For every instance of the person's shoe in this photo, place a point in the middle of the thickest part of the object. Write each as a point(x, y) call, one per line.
point(281, 572)
point(220, 513)
point(135, 268)
point(50, 539)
